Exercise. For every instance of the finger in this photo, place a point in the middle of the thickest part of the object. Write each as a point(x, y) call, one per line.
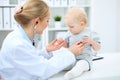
point(54, 41)
point(85, 37)
point(60, 40)
point(61, 44)
point(81, 45)
point(84, 42)
point(79, 42)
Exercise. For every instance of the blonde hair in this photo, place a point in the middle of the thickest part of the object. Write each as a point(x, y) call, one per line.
point(30, 10)
point(77, 14)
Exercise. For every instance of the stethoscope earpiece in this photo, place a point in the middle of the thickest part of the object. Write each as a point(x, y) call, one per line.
point(36, 22)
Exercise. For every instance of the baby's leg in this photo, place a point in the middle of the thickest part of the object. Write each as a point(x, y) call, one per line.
point(77, 70)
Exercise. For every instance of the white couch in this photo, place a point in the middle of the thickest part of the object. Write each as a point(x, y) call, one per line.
point(104, 69)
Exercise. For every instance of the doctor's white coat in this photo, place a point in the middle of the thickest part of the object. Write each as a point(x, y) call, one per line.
point(19, 59)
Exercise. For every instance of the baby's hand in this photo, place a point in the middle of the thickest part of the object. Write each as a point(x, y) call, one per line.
point(95, 45)
point(87, 40)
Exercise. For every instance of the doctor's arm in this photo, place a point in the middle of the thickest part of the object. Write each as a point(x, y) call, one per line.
point(43, 52)
point(29, 62)
point(52, 46)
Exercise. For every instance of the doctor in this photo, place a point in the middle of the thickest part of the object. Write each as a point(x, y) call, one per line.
point(19, 59)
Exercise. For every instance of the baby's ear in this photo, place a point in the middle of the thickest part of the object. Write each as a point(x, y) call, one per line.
point(82, 23)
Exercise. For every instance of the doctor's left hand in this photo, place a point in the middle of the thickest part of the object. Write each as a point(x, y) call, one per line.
point(55, 44)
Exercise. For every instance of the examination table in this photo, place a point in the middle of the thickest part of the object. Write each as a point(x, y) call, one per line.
point(107, 68)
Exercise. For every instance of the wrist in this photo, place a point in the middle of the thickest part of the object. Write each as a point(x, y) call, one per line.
point(47, 49)
point(92, 43)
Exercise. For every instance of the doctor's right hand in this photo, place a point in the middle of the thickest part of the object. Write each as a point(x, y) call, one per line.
point(55, 44)
point(77, 48)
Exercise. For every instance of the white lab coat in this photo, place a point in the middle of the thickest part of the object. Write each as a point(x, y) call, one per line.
point(19, 59)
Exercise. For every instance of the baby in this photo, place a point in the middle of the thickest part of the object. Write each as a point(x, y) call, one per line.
point(76, 20)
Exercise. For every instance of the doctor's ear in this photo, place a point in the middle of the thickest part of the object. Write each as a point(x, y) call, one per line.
point(36, 21)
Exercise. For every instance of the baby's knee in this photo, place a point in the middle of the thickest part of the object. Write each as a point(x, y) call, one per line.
point(83, 64)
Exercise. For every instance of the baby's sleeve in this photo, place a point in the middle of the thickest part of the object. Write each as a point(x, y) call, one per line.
point(95, 36)
point(66, 37)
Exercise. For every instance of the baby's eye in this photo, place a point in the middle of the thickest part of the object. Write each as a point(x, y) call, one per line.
point(71, 26)
point(47, 20)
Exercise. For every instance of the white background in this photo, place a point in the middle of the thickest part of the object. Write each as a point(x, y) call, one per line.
point(105, 19)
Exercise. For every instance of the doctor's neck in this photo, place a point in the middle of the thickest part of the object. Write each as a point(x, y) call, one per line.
point(29, 30)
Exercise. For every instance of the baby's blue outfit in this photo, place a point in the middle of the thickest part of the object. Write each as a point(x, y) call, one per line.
point(87, 51)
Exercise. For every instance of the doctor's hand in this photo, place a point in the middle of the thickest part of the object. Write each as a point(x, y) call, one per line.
point(77, 48)
point(55, 44)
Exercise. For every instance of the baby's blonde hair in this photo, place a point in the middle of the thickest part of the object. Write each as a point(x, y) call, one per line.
point(30, 10)
point(77, 14)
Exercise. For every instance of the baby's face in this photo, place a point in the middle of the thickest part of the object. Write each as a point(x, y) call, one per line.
point(74, 26)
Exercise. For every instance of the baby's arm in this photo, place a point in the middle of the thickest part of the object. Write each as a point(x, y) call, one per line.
point(95, 45)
